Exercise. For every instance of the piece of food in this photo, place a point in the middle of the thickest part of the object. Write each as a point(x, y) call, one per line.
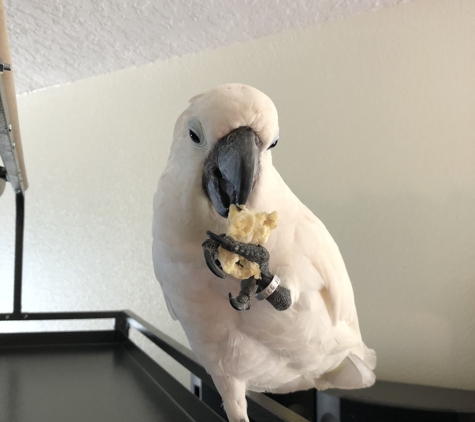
point(247, 226)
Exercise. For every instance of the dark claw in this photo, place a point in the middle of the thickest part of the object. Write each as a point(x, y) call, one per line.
point(226, 242)
point(238, 304)
point(254, 253)
point(210, 251)
point(219, 238)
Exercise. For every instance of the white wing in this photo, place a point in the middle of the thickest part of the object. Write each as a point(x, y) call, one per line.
point(326, 258)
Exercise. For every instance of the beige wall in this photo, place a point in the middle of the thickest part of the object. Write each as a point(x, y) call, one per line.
point(377, 120)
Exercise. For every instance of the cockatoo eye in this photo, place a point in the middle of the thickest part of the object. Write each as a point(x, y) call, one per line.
point(195, 132)
point(194, 137)
point(273, 144)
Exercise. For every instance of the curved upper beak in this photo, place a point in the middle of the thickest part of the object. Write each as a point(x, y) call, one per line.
point(230, 169)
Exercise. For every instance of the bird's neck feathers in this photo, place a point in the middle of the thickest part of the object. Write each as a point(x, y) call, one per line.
point(183, 208)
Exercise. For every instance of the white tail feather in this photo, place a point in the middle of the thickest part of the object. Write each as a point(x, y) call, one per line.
point(351, 373)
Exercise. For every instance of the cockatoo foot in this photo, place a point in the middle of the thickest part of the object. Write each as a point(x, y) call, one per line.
point(281, 298)
point(253, 253)
point(210, 251)
point(243, 300)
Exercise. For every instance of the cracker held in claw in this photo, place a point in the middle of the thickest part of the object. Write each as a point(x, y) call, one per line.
point(247, 226)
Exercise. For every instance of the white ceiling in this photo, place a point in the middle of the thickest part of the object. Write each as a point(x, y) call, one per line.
point(59, 41)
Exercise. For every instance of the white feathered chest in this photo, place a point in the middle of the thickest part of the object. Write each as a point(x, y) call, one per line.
point(281, 347)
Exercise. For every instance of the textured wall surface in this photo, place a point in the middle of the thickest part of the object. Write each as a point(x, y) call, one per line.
point(377, 138)
point(59, 41)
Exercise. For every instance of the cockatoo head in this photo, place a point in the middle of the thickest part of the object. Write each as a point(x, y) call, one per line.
point(228, 133)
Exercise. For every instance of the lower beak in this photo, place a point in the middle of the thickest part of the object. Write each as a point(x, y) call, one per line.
point(230, 169)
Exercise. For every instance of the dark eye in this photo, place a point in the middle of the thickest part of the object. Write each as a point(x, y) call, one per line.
point(273, 144)
point(194, 137)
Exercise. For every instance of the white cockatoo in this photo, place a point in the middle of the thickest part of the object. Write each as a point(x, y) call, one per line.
point(306, 333)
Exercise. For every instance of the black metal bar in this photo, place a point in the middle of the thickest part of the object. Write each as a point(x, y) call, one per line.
point(264, 409)
point(58, 338)
point(34, 316)
point(122, 325)
point(302, 402)
point(260, 407)
point(19, 229)
point(401, 395)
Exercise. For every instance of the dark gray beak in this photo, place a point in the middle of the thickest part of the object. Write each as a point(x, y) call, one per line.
point(230, 169)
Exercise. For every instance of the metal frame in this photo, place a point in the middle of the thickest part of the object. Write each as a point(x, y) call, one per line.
point(261, 407)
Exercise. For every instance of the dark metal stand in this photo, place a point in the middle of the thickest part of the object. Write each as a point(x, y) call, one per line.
point(19, 230)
